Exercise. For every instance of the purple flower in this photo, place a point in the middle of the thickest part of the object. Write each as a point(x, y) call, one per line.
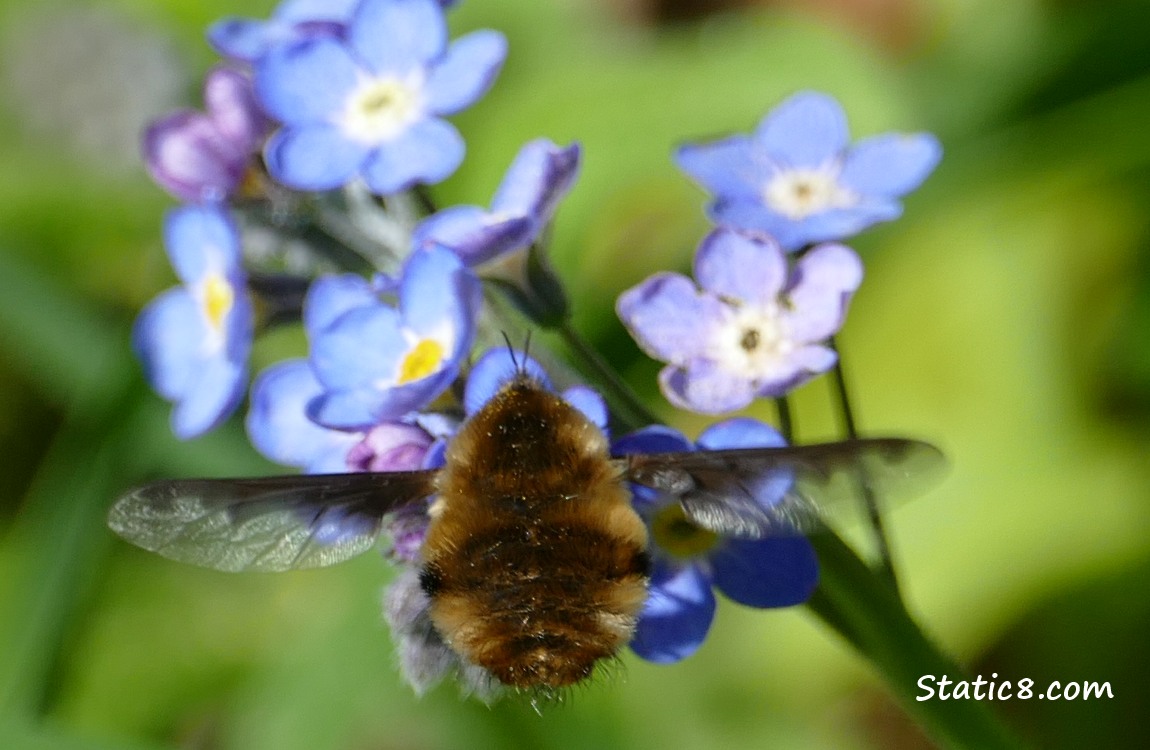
point(755, 329)
point(687, 561)
point(537, 180)
point(201, 157)
point(798, 178)
point(249, 39)
point(377, 362)
point(194, 339)
point(368, 103)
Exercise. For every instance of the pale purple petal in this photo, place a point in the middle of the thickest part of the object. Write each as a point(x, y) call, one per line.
point(231, 102)
point(740, 266)
point(473, 234)
point(466, 72)
point(391, 446)
point(186, 155)
point(807, 130)
point(669, 317)
point(706, 388)
point(821, 287)
point(800, 365)
point(537, 180)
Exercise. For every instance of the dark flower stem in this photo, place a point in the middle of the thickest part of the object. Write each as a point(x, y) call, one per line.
point(885, 563)
point(786, 419)
point(636, 414)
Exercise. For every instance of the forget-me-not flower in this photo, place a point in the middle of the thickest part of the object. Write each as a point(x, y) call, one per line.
point(249, 39)
point(194, 339)
point(756, 327)
point(536, 181)
point(688, 561)
point(379, 362)
point(799, 179)
point(369, 102)
point(204, 156)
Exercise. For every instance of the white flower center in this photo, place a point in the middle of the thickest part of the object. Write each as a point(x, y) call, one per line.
point(382, 108)
point(754, 342)
point(799, 193)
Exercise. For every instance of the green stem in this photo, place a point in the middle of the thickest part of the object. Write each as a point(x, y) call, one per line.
point(885, 563)
point(636, 413)
point(862, 608)
point(786, 419)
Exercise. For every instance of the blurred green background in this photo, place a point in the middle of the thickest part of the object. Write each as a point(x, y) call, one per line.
point(1006, 317)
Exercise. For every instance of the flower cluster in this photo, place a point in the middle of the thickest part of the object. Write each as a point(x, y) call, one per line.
point(328, 102)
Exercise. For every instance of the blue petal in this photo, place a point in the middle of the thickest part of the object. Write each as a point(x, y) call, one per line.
point(823, 281)
point(840, 223)
point(890, 165)
point(363, 347)
point(669, 317)
point(363, 407)
point(654, 439)
point(465, 72)
point(398, 35)
point(244, 39)
point(300, 11)
point(201, 240)
point(730, 167)
point(588, 402)
point(331, 296)
point(806, 130)
point(214, 393)
point(738, 266)
point(167, 338)
point(306, 82)
point(278, 425)
point(705, 388)
point(313, 157)
point(473, 234)
point(427, 152)
point(537, 180)
point(773, 572)
point(496, 368)
point(750, 214)
point(740, 432)
point(675, 619)
point(430, 296)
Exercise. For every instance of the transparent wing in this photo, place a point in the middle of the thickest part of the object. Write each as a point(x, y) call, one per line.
point(267, 523)
point(757, 492)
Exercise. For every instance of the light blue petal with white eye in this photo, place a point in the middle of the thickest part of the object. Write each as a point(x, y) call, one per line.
point(773, 572)
point(201, 240)
point(890, 165)
point(278, 425)
point(589, 403)
point(397, 35)
point(825, 279)
point(730, 167)
point(331, 296)
point(496, 368)
point(541, 174)
point(307, 81)
point(675, 619)
point(806, 130)
point(742, 267)
point(466, 72)
point(669, 317)
point(314, 157)
point(427, 152)
point(363, 347)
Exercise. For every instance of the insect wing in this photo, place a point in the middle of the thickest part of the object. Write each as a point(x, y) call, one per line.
point(756, 492)
point(266, 523)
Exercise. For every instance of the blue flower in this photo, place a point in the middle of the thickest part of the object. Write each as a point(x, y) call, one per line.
point(798, 178)
point(687, 561)
point(368, 102)
point(536, 181)
point(377, 362)
point(755, 329)
point(248, 39)
point(201, 157)
point(194, 339)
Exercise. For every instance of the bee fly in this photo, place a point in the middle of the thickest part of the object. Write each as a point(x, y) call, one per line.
point(534, 561)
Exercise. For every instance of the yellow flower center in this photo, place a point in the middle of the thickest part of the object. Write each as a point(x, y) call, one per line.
point(380, 109)
point(673, 532)
point(423, 359)
point(218, 298)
